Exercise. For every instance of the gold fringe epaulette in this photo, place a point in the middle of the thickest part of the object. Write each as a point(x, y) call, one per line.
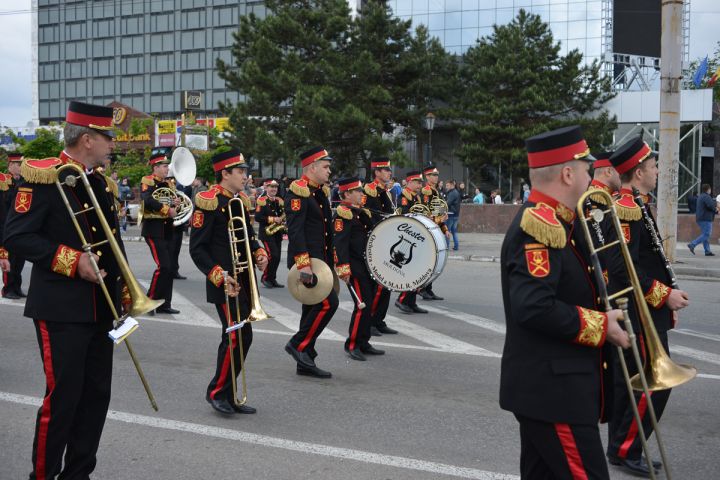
point(112, 186)
point(149, 181)
point(407, 194)
point(598, 199)
point(344, 212)
point(627, 209)
point(427, 191)
point(300, 188)
point(280, 201)
point(541, 223)
point(367, 212)
point(262, 201)
point(40, 171)
point(3, 183)
point(246, 200)
point(207, 200)
point(326, 190)
point(370, 189)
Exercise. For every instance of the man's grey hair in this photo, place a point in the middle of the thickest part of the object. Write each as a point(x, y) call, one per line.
point(73, 133)
point(526, 186)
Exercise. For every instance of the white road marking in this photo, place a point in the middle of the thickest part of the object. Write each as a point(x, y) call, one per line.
point(12, 303)
point(705, 375)
point(291, 319)
point(187, 308)
point(707, 336)
point(467, 318)
point(303, 447)
point(696, 354)
point(425, 335)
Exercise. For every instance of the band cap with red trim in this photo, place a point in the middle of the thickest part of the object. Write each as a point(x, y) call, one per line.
point(602, 160)
point(415, 175)
point(159, 158)
point(431, 170)
point(271, 183)
point(380, 163)
point(556, 147)
point(631, 154)
point(231, 158)
point(350, 183)
point(313, 155)
point(97, 117)
point(15, 157)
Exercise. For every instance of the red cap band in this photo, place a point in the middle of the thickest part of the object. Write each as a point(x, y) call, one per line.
point(14, 157)
point(228, 163)
point(634, 160)
point(349, 186)
point(557, 155)
point(314, 158)
point(87, 120)
point(414, 177)
point(382, 164)
point(602, 163)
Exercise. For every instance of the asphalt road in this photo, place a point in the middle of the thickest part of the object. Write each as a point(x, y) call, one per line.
point(427, 409)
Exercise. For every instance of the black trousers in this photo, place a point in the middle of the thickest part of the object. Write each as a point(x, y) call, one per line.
point(162, 280)
point(313, 320)
point(273, 247)
point(381, 301)
point(623, 435)
point(408, 298)
point(176, 246)
point(360, 320)
point(77, 359)
point(12, 280)
point(428, 288)
point(220, 386)
point(560, 451)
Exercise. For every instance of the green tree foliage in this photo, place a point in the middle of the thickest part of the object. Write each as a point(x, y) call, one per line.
point(516, 85)
point(46, 144)
point(713, 64)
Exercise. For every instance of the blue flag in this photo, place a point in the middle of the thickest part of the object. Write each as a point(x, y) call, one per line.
point(697, 79)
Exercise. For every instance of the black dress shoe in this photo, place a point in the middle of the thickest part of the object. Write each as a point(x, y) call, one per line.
point(375, 332)
point(402, 307)
point(656, 463)
point(222, 406)
point(356, 354)
point(276, 284)
point(635, 466)
point(179, 277)
point(370, 350)
point(424, 294)
point(302, 358)
point(267, 284)
point(710, 254)
point(312, 372)
point(387, 330)
point(242, 408)
point(11, 295)
point(168, 310)
point(417, 309)
point(436, 297)
point(21, 294)
point(151, 313)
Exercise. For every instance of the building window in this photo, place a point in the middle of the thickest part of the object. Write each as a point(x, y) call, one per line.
point(48, 53)
point(48, 15)
point(192, 80)
point(192, 19)
point(75, 88)
point(49, 34)
point(132, 85)
point(103, 67)
point(131, 26)
point(49, 71)
point(225, 16)
point(162, 43)
point(103, 28)
point(225, 55)
point(132, 45)
point(162, 63)
point(161, 83)
point(75, 31)
point(192, 3)
point(104, 48)
point(103, 86)
point(222, 37)
point(193, 40)
point(162, 22)
point(131, 7)
point(103, 9)
point(131, 65)
point(162, 5)
point(75, 50)
point(135, 102)
point(192, 60)
point(161, 103)
point(77, 69)
point(75, 12)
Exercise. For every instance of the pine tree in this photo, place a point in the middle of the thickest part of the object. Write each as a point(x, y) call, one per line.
point(516, 85)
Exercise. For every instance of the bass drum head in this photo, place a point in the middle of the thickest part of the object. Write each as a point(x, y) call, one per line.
point(402, 253)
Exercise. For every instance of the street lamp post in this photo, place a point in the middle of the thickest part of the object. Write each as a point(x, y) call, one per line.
point(429, 124)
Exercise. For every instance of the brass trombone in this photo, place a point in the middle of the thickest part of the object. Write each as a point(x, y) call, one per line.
point(140, 302)
point(256, 313)
point(659, 372)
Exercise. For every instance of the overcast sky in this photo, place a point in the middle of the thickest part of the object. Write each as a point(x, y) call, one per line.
point(15, 60)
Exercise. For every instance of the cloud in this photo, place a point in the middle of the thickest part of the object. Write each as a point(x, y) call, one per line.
point(15, 52)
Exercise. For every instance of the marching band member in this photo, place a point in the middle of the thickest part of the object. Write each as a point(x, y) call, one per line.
point(407, 301)
point(210, 250)
point(430, 192)
point(378, 198)
point(270, 211)
point(4, 262)
point(352, 225)
point(159, 232)
point(310, 234)
point(554, 374)
point(12, 278)
point(605, 178)
point(71, 314)
point(636, 164)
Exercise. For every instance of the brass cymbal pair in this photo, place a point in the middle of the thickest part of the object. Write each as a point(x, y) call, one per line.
point(327, 279)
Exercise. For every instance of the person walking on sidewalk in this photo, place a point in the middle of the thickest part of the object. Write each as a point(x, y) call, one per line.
point(704, 216)
point(453, 202)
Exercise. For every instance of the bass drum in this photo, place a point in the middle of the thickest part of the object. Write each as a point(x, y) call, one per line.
point(405, 252)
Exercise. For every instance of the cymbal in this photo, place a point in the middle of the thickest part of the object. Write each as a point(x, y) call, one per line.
point(316, 294)
point(336, 282)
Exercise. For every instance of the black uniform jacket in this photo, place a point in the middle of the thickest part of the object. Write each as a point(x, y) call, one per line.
point(266, 211)
point(654, 278)
point(598, 231)
point(158, 227)
point(352, 226)
point(4, 179)
point(40, 230)
point(210, 244)
point(407, 199)
point(553, 367)
point(309, 223)
point(377, 198)
point(427, 195)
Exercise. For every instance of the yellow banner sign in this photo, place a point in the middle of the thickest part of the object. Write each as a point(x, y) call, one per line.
point(166, 126)
point(222, 124)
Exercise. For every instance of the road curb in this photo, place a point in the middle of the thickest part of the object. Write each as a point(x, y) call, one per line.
point(697, 272)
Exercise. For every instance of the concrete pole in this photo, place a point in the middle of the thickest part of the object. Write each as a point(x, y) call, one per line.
point(670, 77)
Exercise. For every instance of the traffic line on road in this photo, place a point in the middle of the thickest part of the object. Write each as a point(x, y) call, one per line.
point(274, 442)
point(693, 333)
point(187, 308)
point(696, 354)
point(425, 335)
point(705, 375)
point(467, 318)
point(291, 319)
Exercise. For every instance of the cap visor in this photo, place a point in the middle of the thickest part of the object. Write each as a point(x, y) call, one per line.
point(589, 158)
point(109, 133)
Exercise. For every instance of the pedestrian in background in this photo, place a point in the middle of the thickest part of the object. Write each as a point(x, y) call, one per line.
point(479, 197)
point(453, 201)
point(198, 186)
point(392, 190)
point(335, 194)
point(704, 217)
point(397, 187)
point(526, 193)
point(282, 186)
point(692, 203)
point(441, 189)
point(497, 200)
point(461, 190)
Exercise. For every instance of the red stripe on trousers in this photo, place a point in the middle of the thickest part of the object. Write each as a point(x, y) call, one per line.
point(45, 417)
point(571, 452)
point(318, 319)
point(357, 316)
point(226, 362)
point(402, 297)
point(267, 249)
point(5, 280)
point(632, 432)
point(377, 299)
point(157, 272)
